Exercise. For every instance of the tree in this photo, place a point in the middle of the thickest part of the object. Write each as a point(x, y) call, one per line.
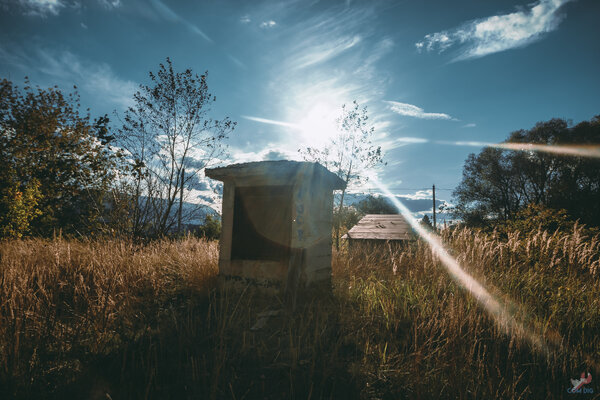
point(488, 189)
point(211, 229)
point(170, 138)
point(18, 209)
point(498, 183)
point(350, 154)
point(56, 163)
point(426, 222)
point(376, 205)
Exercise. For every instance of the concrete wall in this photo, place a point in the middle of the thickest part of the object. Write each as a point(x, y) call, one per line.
point(312, 215)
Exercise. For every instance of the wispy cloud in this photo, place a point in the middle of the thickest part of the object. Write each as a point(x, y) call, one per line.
point(270, 121)
point(245, 19)
point(95, 78)
point(471, 125)
point(401, 142)
point(236, 61)
point(40, 8)
point(111, 4)
point(172, 16)
point(268, 24)
point(498, 33)
point(317, 64)
point(411, 110)
point(45, 8)
point(326, 51)
point(66, 69)
point(332, 60)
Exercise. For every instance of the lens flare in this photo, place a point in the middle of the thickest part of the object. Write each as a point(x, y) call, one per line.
point(589, 151)
point(492, 305)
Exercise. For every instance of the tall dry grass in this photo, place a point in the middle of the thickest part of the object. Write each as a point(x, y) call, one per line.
point(98, 318)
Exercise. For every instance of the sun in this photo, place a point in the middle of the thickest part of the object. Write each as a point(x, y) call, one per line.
point(318, 125)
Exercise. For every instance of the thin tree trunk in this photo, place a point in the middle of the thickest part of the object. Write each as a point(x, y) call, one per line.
point(180, 201)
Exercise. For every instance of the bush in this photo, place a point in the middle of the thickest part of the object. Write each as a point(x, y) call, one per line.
point(211, 229)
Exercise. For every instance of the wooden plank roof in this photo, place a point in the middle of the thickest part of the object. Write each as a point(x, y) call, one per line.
point(381, 227)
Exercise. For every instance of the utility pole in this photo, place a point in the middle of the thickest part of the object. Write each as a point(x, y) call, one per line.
point(434, 223)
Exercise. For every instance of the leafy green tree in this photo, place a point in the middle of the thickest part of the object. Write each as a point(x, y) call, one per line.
point(170, 138)
point(345, 219)
point(426, 222)
point(488, 189)
point(57, 164)
point(18, 209)
point(350, 153)
point(498, 183)
point(376, 205)
point(211, 229)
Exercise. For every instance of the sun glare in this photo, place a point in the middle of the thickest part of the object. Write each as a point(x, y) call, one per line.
point(318, 125)
point(493, 305)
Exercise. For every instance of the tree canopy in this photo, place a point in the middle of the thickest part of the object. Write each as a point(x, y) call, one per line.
point(56, 162)
point(497, 183)
point(170, 137)
point(376, 205)
point(350, 153)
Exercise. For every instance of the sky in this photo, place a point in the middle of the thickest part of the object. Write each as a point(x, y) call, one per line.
point(433, 75)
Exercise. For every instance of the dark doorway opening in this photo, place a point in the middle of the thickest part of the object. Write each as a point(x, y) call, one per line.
point(262, 223)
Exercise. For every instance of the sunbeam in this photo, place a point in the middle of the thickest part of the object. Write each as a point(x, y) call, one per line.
point(590, 151)
point(499, 311)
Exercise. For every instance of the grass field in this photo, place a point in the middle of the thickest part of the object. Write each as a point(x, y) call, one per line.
point(113, 319)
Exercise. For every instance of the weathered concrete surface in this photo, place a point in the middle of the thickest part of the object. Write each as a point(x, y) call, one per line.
point(271, 211)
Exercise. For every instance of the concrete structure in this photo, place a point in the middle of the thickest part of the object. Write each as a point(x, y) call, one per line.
point(374, 229)
point(276, 222)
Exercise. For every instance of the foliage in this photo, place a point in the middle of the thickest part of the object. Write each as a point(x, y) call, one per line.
point(426, 222)
point(46, 143)
point(376, 205)
point(131, 321)
point(535, 218)
point(350, 154)
point(18, 209)
point(498, 183)
point(345, 219)
point(170, 138)
point(211, 229)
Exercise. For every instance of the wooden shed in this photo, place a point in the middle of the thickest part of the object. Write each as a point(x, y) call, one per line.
point(276, 222)
point(374, 229)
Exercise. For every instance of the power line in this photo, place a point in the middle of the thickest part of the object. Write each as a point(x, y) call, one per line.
point(398, 188)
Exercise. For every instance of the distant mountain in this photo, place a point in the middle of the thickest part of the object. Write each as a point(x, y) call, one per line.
point(211, 198)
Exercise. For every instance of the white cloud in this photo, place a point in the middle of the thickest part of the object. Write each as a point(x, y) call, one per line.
point(498, 33)
point(41, 8)
point(326, 51)
point(270, 153)
point(245, 19)
point(401, 142)
point(270, 121)
point(411, 110)
point(471, 125)
point(268, 24)
point(419, 195)
point(111, 4)
point(66, 69)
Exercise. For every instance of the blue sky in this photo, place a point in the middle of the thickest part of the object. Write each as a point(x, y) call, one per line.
point(430, 72)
